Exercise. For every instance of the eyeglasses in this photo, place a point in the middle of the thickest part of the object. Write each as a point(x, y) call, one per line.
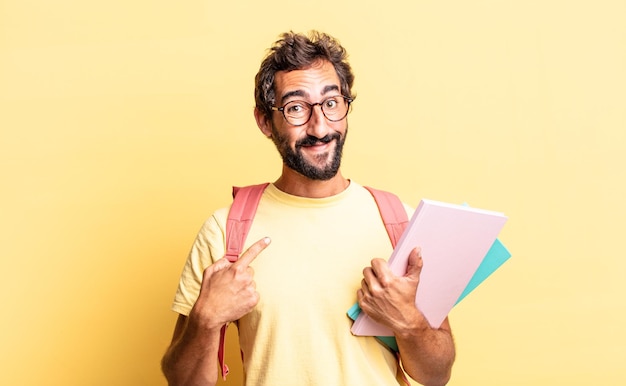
point(297, 113)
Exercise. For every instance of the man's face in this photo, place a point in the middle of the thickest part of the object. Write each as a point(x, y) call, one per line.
point(315, 148)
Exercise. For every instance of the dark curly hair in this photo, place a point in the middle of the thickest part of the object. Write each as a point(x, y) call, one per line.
point(294, 51)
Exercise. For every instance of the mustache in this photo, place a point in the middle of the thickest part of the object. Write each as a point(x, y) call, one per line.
point(311, 140)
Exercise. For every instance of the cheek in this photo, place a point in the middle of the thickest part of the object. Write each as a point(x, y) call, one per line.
point(288, 136)
point(282, 139)
point(341, 126)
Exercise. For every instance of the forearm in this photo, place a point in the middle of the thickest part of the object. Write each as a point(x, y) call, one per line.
point(192, 358)
point(227, 293)
point(427, 354)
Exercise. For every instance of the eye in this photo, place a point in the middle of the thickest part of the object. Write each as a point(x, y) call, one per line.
point(295, 108)
point(331, 103)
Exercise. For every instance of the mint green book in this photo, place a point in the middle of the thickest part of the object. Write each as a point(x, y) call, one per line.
point(496, 256)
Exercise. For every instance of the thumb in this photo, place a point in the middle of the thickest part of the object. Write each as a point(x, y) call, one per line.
point(221, 264)
point(211, 270)
point(217, 266)
point(415, 264)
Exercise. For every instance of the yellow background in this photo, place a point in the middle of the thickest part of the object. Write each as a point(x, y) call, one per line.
point(124, 124)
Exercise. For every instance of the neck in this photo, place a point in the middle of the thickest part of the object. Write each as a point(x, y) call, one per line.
point(298, 185)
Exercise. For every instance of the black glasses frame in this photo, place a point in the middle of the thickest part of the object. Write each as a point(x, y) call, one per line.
point(348, 100)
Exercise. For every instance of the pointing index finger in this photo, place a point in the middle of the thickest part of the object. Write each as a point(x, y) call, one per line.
point(251, 253)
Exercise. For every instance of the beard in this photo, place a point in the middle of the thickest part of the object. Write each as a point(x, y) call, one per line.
point(295, 160)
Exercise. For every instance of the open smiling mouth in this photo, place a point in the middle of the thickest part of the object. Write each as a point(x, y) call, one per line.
point(313, 141)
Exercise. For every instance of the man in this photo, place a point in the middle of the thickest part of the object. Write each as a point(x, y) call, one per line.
point(289, 297)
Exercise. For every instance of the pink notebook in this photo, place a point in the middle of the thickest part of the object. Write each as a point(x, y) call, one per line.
point(454, 240)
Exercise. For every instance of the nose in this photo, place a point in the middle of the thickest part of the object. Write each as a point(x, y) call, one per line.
point(317, 126)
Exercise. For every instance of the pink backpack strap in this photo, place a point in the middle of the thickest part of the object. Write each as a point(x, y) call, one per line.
point(392, 212)
point(240, 216)
point(396, 220)
point(242, 211)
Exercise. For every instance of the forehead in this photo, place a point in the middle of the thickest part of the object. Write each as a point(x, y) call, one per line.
point(317, 80)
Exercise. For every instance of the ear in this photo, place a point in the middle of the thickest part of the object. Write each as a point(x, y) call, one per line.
point(264, 122)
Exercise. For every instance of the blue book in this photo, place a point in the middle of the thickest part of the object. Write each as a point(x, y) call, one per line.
point(496, 256)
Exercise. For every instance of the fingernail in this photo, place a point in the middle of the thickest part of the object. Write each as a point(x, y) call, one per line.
point(267, 240)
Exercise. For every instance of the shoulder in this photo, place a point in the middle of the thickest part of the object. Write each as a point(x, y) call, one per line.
point(377, 193)
point(211, 233)
point(216, 220)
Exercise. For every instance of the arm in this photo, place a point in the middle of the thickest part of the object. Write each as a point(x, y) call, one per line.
point(427, 353)
point(190, 359)
point(227, 293)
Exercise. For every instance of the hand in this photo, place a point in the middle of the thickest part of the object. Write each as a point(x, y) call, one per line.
point(228, 290)
point(389, 299)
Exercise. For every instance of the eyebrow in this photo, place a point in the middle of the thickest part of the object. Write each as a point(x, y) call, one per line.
point(300, 93)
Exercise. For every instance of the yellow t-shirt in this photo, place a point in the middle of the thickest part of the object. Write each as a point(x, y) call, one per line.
point(307, 278)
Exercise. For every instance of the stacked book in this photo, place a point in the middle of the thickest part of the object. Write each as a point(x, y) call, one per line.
point(460, 250)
